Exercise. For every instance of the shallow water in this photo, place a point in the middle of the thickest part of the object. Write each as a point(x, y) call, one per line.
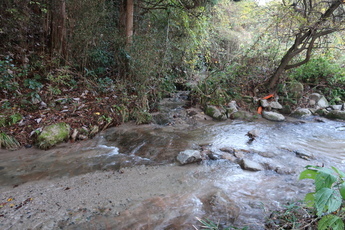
point(218, 190)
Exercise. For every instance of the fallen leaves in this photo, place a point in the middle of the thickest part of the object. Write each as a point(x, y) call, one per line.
point(10, 202)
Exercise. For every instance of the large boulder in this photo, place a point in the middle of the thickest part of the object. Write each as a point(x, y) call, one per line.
point(189, 156)
point(270, 104)
point(216, 113)
point(232, 108)
point(318, 101)
point(336, 114)
point(53, 134)
point(301, 112)
point(295, 89)
point(272, 116)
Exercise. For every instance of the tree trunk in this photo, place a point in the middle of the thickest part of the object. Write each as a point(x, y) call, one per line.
point(129, 21)
point(304, 41)
point(58, 30)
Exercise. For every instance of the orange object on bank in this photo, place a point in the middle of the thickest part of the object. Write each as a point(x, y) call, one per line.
point(268, 96)
point(260, 110)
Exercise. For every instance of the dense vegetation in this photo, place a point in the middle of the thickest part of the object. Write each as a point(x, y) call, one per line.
point(112, 61)
point(98, 63)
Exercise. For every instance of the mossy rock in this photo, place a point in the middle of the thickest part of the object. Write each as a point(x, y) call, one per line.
point(244, 115)
point(215, 113)
point(52, 135)
point(336, 114)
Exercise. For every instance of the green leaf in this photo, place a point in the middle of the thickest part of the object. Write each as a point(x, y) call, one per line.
point(331, 221)
point(340, 173)
point(309, 199)
point(342, 190)
point(327, 200)
point(324, 179)
point(308, 174)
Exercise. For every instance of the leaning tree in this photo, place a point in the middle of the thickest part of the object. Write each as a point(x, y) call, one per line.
point(312, 21)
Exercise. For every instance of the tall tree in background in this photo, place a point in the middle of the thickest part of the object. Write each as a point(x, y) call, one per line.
point(315, 20)
point(58, 29)
point(129, 21)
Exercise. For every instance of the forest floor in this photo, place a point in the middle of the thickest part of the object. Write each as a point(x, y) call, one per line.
point(80, 108)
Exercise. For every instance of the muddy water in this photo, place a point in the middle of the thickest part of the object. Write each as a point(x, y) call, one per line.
point(158, 193)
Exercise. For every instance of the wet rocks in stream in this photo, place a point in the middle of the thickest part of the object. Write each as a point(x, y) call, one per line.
point(189, 156)
point(232, 155)
point(250, 165)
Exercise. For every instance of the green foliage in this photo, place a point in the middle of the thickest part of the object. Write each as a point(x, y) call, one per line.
point(32, 84)
point(8, 75)
point(105, 84)
point(218, 88)
point(62, 77)
point(323, 75)
point(210, 225)
point(122, 111)
point(319, 70)
point(8, 142)
point(328, 198)
point(10, 120)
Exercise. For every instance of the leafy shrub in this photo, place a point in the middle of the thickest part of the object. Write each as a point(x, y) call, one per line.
point(10, 120)
point(8, 142)
point(329, 195)
point(323, 75)
point(218, 88)
point(8, 75)
point(316, 71)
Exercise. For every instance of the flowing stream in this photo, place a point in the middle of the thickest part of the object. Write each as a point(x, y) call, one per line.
point(127, 177)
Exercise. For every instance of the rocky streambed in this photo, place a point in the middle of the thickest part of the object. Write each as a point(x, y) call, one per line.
point(128, 177)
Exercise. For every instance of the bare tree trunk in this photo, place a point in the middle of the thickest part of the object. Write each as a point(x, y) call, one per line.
point(58, 30)
point(129, 21)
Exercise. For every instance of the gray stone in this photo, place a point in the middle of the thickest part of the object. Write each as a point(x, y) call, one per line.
point(321, 112)
point(336, 107)
point(267, 154)
point(312, 103)
point(215, 112)
point(295, 89)
point(53, 134)
point(228, 150)
point(318, 101)
point(189, 156)
point(322, 103)
point(252, 134)
point(239, 155)
point(251, 165)
point(301, 112)
point(264, 103)
point(242, 115)
point(232, 108)
point(315, 97)
point(336, 114)
point(273, 116)
point(275, 105)
point(228, 156)
point(304, 155)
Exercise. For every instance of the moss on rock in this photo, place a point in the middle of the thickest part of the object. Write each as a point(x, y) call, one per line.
point(336, 114)
point(53, 134)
